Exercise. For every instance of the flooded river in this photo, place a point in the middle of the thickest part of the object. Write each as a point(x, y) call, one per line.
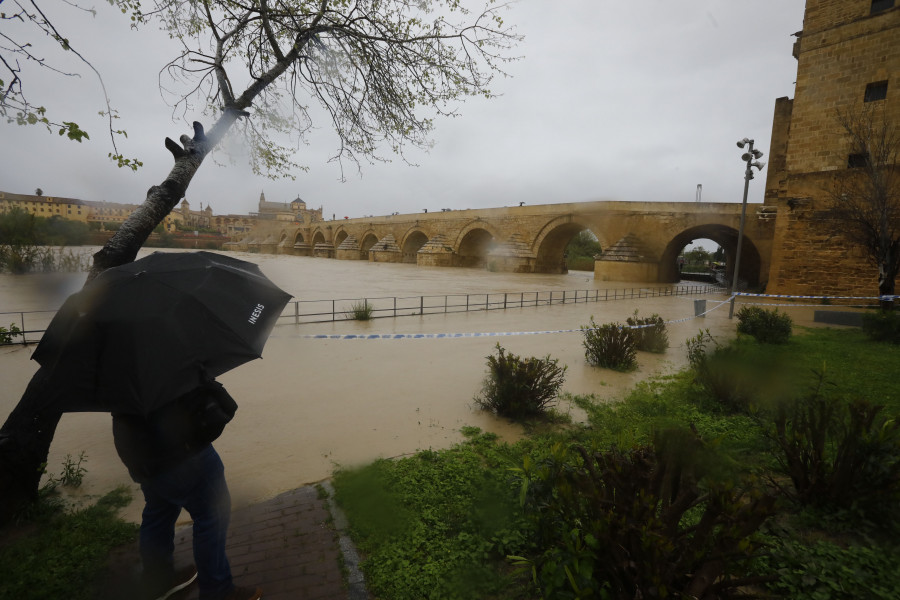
point(312, 404)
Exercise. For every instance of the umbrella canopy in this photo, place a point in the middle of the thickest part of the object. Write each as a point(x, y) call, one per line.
point(146, 332)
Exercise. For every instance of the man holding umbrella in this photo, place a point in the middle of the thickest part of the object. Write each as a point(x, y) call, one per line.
point(177, 467)
point(144, 341)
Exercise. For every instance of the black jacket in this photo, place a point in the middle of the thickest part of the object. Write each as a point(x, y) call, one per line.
point(150, 445)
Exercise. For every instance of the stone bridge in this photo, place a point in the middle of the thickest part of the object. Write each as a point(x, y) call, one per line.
point(640, 240)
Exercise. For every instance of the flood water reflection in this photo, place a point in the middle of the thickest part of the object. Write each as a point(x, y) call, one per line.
point(312, 404)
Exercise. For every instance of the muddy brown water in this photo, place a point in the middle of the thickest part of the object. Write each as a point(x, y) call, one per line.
point(310, 405)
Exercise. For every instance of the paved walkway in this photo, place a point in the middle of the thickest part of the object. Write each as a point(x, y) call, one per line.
point(292, 547)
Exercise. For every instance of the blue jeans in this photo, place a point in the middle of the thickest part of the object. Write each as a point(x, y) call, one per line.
point(197, 485)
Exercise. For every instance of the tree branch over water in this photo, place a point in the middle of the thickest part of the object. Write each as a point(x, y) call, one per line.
point(378, 70)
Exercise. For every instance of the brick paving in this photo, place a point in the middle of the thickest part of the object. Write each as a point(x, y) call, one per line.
point(292, 547)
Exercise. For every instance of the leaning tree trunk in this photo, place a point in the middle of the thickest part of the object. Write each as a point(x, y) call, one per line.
point(25, 437)
point(28, 431)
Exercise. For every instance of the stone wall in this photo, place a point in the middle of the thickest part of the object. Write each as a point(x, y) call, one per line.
point(834, 68)
point(842, 49)
point(811, 260)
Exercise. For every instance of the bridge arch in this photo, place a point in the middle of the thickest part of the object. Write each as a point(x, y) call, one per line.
point(473, 244)
point(318, 237)
point(550, 244)
point(412, 242)
point(298, 238)
point(727, 238)
point(369, 239)
point(339, 236)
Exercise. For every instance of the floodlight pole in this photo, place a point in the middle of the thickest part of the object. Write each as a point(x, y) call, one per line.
point(748, 175)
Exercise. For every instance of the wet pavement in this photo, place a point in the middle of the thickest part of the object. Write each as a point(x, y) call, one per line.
point(292, 546)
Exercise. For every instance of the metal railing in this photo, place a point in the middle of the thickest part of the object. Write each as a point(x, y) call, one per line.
point(23, 327)
point(345, 309)
point(31, 324)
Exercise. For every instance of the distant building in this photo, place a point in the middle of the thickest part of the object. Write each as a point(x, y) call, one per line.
point(108, 212)
point(46, 206)
point(85, 211)
point(193, 219)
point(182, 218)
point(294, 211)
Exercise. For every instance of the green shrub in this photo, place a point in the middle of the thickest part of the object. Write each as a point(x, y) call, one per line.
point(697, 347)
point(649, 333)
point(882, 326)
point(519, 388)
point(7, 336)
point(72, 474)
point(731, 379)
point(825, 570)
point(611, 346)
point(767, 326)
point(728, 375)
point(651, 522)
point(839, 454)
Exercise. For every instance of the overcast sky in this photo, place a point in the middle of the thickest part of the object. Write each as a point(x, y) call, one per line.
point(612, 100)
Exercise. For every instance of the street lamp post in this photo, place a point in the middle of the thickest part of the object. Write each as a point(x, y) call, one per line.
point(748, 157)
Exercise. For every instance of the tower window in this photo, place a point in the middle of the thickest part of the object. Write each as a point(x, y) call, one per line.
point(880, 5)
point(876, 91)
point(858, 161)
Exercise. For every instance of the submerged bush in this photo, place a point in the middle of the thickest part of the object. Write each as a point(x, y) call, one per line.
point(650, 522)
point(8, 336)
point(882, 326)
point(361, 311)
point(649, 333)
point(519, 388)
point(767, 326)
point(611, 346)
point(43, 259)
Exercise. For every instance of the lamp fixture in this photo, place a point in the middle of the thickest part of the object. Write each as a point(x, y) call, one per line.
point(747, 157)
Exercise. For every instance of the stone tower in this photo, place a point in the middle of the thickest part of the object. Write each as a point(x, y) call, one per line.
point(848, 57)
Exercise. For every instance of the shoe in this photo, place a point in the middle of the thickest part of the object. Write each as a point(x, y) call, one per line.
point(242, 593)
point(181, 580)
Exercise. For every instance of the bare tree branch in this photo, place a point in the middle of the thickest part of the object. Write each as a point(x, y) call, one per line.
point(15, 106)
point(864, 199)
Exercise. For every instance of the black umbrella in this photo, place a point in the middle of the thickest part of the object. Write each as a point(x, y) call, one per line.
point(144, 333)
